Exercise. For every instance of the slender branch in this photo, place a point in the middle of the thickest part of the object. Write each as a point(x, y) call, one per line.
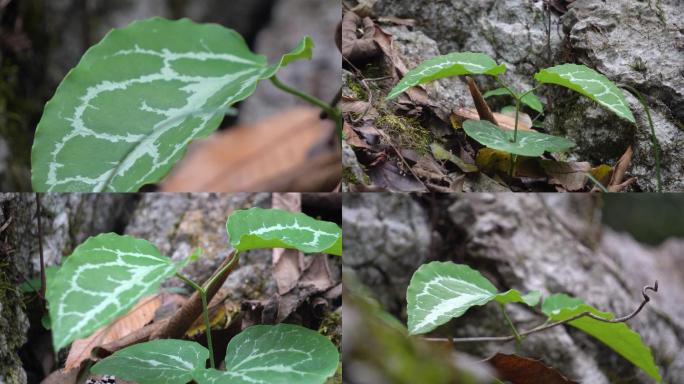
point(548, 325)
point(330, 111)
point(205, 314)
point(654, 139)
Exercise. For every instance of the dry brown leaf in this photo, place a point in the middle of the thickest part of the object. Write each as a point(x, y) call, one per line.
point(352, 138)
point(524, 370)
point(140, 315)
point(273, 154)
point(504, 121)
point(621, 168)
point(287, 263)
point(571, 176)
point(483, 110)
point(356, 48)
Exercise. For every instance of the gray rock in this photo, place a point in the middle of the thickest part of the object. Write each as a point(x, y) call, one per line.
point(386, 237)
point(351, 167)
point(291, 20)
point(639, 44)
point(178, 223)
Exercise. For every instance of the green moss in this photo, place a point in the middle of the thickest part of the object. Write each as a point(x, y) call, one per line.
point(358, 90)
point(331, 327)
point(406, 132)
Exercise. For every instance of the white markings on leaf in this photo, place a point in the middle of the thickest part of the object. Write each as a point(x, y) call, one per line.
point(103, 278)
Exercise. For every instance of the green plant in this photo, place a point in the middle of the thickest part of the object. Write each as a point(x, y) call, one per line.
point(125, 114)
point(441, 291)
point(107, 274)
point(578, 78)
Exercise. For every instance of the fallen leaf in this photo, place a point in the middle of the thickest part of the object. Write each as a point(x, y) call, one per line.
point(440, 153)
point(352, 138)
point(524, 370)
point(287, 263)
point(602, 173)
point(504, 121)
point(621, 168)
point(140, 315)
point(354, 47)
point(495, 162)
point(389, 177)
point(571, 176)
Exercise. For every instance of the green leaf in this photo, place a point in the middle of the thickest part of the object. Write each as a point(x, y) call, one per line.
point(617, 336)
point(514, 296)
point(530, 99)
point(126, 113)
point(440, 291)
point(280, 354)
point(102, 279)
point(590, 83)
point(165, 361)
point(529, 143)
point(453, 64)
point(274, 228)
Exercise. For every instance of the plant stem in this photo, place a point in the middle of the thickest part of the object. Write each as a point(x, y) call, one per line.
point(510, 323)
point(547, 324)
point(654, 139)
point(596, 182)
point(216, 276)
point(205, 314)
point(331, 111)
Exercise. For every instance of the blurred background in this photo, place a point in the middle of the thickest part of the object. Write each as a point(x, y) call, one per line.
point(40, 40)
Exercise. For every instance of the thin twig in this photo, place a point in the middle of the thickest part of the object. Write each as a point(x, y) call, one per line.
point(548, 325)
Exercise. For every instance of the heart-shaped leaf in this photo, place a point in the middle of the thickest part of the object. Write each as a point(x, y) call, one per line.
point(166, 361)
point(126, 113)
point(274, 228)
point(441, 291)
point(590, 83)
point(280, 354)
point(102, 279)
point(529, 143)
point(453, 64)
point(530, 99)
point(617, 336)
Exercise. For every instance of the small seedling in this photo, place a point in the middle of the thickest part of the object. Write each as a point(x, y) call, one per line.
point(107, 274)
point(578, 78)
point(441, 291)
point(126, 113)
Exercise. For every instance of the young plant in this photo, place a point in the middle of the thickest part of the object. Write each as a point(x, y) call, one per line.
point(441, 291)
point(578, 78)
point(107, 274)
point(126, 113)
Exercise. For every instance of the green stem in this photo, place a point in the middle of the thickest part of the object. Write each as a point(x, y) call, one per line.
point(518, 338)
point(331, 111)
point(223, 270)
point(597, 183)
point(205, 313)
point(654, 139)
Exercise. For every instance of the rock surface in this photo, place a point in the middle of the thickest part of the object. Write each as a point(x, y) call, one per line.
point(639, 44)
point(527, 242)
point(386, 237)
point(291, 20)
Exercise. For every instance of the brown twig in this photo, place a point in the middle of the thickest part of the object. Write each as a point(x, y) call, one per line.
point(546, 326)
point(480, 104)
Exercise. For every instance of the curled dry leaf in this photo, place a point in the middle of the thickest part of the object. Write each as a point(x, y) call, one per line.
point(524, 370)
point(621, 167)
point(570, 176)
point(356, 48)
